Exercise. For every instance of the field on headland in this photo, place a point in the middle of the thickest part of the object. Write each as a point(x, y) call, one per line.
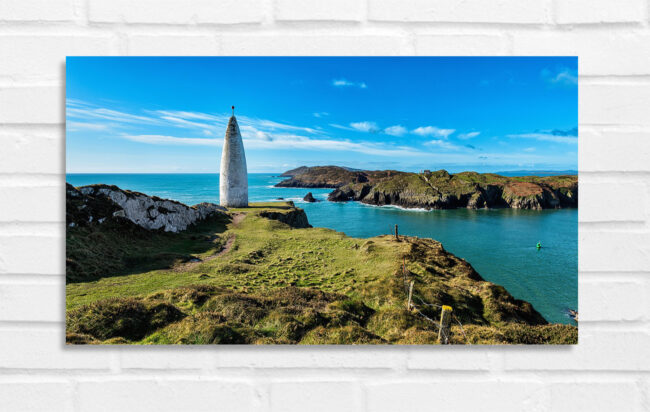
point(259, 275)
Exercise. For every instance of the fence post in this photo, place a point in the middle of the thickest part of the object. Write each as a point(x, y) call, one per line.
point(445, 319)
point(408, 304)
point(396, 234)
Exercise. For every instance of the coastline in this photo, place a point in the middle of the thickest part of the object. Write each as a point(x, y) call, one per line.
point(345, 238)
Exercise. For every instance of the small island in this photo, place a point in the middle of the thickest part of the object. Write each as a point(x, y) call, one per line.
point(438, 189)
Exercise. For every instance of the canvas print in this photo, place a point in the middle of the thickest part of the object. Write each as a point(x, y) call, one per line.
point(321, 200)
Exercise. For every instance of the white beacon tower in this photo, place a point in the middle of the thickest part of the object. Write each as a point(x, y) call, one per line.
point(233, 179)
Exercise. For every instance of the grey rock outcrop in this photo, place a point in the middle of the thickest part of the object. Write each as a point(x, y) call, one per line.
point(309, 197)
point(149, 212)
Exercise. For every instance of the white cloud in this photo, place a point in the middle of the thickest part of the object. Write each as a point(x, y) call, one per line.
point(347, 83)
point(75, 126)
point(396, 130)
point(529, 149)
point(432, 131)
point(562, 76)
point(443, 144)
point(171, 140)
point(546, 137)
point(320, 114)
point(365, 127)
point(108, 114)
point(469, 135)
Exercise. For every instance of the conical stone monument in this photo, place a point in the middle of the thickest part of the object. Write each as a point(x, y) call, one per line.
point(233, 180)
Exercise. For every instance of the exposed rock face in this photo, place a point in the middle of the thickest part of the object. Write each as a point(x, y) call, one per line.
point(96, 203)
point(233, 178)
point(296, 218)
point(441, 190)
point(309, 197)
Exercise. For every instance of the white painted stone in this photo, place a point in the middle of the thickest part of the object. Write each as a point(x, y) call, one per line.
point(233, 180)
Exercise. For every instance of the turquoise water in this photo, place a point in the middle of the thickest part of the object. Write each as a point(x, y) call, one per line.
point(499, 243)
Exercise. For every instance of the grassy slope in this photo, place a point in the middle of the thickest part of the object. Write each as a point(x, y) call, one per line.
point(277, 284)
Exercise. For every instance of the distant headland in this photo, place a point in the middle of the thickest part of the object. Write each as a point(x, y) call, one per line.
point(438, 189)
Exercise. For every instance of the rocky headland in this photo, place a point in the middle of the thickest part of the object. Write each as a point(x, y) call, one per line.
point(438, 189)
point(209, 275)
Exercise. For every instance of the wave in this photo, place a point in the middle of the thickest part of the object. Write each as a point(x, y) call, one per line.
point(407, 209)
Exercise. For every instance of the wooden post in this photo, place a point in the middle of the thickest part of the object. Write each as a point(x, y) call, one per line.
point(396, 234)
point(445, 320)
point(408, 304)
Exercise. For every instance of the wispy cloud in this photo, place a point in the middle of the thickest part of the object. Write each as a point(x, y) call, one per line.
point(202, 129)
point(348, 83)
point(432, 131)
point(443, 144)
point(320, 114)
point(171, 140)
point(76, 126)
point(469, 135)
point(396, 130)
point(562, 76)
point(546, 137)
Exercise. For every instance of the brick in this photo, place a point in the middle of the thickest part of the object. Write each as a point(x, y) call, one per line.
point(455, 395)
point(600, 52)
point(177, 45)
point(598, 350)
point(26, 204)
point(614, 104)
point(594, 396)
point(296, 45)
point(619, 200)
point(37, 10)
point(26, 150)
point(613, 251)
point(46, 349)
point(460, 44)
point(308, 357)
point(43, 57)
point(196, 394)
point(45, 104)
point(36, 396)
point(319, 396)
point(32, 302)
point(314, 10)
point(471, 11)
point(614, 150)
point(599, 11)
point(170, 12)
point(612, 301)
point(454, 358)
point(32, 255)
point(163, 357)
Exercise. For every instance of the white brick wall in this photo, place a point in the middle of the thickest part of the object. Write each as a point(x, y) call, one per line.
point(608, 370)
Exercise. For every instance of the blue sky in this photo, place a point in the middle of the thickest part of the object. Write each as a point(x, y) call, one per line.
point(168, 115)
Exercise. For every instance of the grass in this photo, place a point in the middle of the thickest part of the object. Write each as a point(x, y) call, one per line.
point(280, 284)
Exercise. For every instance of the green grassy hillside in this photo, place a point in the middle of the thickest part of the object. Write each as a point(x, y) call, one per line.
point(251, 278)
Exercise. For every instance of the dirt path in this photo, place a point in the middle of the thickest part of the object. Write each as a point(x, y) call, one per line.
point(236, 220)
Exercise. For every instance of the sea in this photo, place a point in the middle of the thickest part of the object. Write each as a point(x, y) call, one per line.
point(499, 243)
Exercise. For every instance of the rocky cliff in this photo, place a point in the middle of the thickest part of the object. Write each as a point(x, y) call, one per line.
point(95, 204)
point(440, 189)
